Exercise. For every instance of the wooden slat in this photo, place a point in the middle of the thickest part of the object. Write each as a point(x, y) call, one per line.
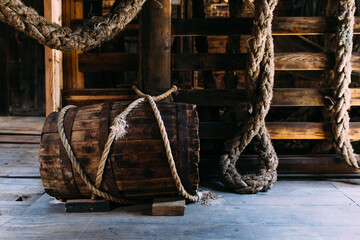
point(282, 97)
point(107, 62)
point(19, 139)
point(283, 61)
point(278, 130)
point(243, 26)
point(82, 97)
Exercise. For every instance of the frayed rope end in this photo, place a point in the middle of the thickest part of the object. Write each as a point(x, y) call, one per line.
point(205, 197)
point(119, 128)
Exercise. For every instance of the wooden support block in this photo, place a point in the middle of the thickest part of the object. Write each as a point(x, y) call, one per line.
point(168, 207)
point(87, 205)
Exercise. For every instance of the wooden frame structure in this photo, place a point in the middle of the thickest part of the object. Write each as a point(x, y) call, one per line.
point(155, 63)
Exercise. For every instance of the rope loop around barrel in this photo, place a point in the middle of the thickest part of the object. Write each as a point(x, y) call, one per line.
point(118, 130)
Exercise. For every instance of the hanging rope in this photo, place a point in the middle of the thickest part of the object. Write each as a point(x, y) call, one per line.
point(118, 130)
point(260, 81)
point(340, 80)
point(92, 34)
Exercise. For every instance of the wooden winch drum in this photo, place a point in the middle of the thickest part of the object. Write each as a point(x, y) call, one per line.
point(137, 166)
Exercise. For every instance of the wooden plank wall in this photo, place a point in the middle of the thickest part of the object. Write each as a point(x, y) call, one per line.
point(22, 90)
point(215, 98)
point(53, 61)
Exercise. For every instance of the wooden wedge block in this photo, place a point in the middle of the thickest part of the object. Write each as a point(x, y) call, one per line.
point(87, 205)
point(168, 207)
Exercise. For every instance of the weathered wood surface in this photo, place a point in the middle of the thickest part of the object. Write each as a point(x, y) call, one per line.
point(16, 195)
point(155, 47)
point(82, 97)
point(107, 62)
point(53, 60)
point(278, 130)
point(21, 125)
point(293, 209)
point(19, 139)
point(168, 207)
point(295, 61)
point(137, 165)
point(19, 160)
point(210, 97)
point(282, 97)
point(243, 26)
point(72, 77)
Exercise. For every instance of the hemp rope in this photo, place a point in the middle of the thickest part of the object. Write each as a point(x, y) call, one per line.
point(260, 81)
point(340, 80)
point(118, 130)
point(92, 34)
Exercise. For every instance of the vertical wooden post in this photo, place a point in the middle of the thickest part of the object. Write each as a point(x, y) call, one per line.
point(155, 50)
point(73, 79)
point(53, 61)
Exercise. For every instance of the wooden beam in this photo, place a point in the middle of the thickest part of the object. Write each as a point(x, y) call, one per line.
point(282, 97)
point(108, 62)
point(155, 46)
point(243, 26)
point(73, 78)
point(278, 130)
point(53, 61)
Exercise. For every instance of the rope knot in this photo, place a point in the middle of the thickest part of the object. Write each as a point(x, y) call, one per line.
point(119, 127)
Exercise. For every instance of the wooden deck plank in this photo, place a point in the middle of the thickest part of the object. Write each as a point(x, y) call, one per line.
point(19, 139)
point(21, 125)
point(19, 160)
point(291, 210)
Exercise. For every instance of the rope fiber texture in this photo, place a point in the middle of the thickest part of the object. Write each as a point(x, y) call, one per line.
point(118, 130)
point(340, 80)
point(92, 34)
point(260, 81)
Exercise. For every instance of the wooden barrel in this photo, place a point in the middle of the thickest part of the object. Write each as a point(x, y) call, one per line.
point(137, 166)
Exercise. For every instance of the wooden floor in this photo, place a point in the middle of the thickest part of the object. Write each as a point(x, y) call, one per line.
point(293, 209)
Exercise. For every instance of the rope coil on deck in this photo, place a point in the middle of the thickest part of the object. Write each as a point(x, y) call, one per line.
point(118, 130)
point(260, 81)
point(92, 34)
point(340, 80)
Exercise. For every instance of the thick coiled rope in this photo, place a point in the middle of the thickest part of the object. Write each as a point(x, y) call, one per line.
point(260, 81)
point(340, 80)
point(92, 34)
point(118, 130)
